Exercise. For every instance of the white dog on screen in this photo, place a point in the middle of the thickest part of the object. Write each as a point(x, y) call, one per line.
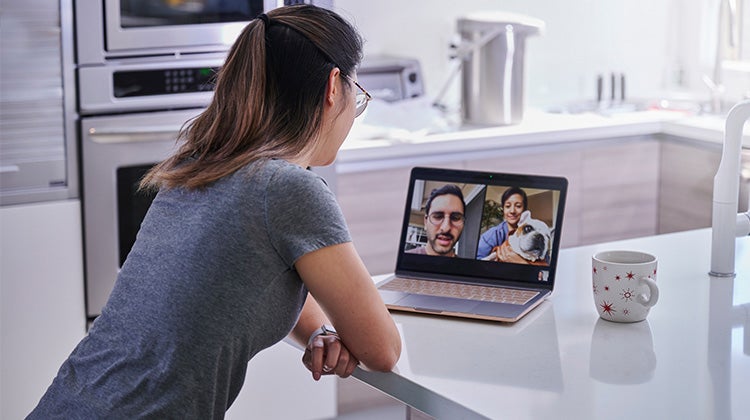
point(530, 244)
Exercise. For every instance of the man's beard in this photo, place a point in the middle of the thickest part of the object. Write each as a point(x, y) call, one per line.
point(440, 249)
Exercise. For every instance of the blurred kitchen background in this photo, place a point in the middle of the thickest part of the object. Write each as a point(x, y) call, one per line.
point(664, 47)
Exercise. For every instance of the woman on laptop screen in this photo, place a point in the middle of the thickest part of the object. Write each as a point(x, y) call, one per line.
point(520, 238)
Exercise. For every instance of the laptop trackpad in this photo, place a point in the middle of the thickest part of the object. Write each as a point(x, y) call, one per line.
point(437, 304)
point(390, 296)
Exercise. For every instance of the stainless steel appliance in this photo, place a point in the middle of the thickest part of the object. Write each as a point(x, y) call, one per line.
point(492, 72)
point(38, 154)
point(113, 29)
point(391, 78)
point(116, 151)
point(144, 69)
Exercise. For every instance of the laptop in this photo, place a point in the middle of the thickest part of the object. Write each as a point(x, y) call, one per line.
point(469, 255)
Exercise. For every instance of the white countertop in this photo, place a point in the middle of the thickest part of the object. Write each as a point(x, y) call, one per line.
point(537, 128)
point(689, 359)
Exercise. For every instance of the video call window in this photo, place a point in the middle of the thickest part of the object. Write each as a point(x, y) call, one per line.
point(505, 224)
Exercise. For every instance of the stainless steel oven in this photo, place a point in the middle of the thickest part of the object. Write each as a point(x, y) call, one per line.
point(130, 116)
point(117, 150)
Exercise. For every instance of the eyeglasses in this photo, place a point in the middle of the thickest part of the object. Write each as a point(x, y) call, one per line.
point(437, 218)
point(361, 99)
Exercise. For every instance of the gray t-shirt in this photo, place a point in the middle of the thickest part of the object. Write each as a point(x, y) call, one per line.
point(209, 283)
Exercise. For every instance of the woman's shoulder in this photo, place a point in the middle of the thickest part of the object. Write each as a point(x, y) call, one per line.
point(280, 168)
point(285, 180)
point(498, 228)
point(289, 175)
point(275, 172)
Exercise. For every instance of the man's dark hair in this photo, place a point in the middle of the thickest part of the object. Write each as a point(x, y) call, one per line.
point(445, 189)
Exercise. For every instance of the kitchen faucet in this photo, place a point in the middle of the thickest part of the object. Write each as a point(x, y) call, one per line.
point(726, 222)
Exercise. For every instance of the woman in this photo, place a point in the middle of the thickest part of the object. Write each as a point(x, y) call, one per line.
point(242, 245)
point(514, 202)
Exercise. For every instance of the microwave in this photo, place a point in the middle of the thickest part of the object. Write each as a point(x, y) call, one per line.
point(109, 30)
point(391, 78)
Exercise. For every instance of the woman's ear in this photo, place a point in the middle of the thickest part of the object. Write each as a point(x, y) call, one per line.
point(332, 90)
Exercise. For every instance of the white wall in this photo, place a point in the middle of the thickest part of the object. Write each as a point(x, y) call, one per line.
point(656, 43)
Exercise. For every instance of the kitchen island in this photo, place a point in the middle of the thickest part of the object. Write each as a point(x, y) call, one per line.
point(689, 360)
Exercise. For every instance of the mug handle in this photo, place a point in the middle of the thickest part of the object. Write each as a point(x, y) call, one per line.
point(654, 289)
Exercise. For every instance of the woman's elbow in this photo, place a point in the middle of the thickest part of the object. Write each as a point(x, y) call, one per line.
point(385, 361)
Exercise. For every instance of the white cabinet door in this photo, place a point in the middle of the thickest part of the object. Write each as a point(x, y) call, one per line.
point(42, 314)
point(278, 386)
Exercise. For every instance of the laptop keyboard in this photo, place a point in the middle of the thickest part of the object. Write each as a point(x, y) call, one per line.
point(461, 291)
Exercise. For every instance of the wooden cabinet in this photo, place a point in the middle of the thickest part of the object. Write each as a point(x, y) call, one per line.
point(612, 194)
point(620, 190)
point(612, 185)
point(373, 205)
point(687, 171)
point(686, 188)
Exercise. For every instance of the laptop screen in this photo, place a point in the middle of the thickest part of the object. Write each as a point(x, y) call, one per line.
point(482, 227)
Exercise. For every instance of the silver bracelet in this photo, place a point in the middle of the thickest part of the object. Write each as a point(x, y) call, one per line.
point(323, 330)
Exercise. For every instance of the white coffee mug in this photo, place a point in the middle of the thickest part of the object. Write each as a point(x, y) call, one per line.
point(624, 285)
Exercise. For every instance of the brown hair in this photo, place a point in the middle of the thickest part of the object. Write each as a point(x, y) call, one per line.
point(268, 100)
point(447, 189)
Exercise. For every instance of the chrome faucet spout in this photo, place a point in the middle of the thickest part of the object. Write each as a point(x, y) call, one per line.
point(726, 223)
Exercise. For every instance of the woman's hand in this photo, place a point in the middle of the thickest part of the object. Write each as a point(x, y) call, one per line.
point(493, 255)
point(327, 355)
point(506, 254)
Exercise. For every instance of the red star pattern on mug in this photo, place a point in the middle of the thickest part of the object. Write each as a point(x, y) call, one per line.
point(607, 307)
point(630, 275)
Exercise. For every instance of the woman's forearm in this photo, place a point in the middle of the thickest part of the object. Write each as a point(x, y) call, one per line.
point(310, 319)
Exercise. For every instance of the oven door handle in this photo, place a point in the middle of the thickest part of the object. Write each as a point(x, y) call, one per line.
point(134, 134)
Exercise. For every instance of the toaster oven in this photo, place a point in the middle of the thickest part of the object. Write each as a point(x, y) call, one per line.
point(391, 78)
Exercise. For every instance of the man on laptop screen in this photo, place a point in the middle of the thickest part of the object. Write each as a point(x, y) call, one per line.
point(443, 222)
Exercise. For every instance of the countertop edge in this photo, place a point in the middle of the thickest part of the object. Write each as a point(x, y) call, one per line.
point(703, 129)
